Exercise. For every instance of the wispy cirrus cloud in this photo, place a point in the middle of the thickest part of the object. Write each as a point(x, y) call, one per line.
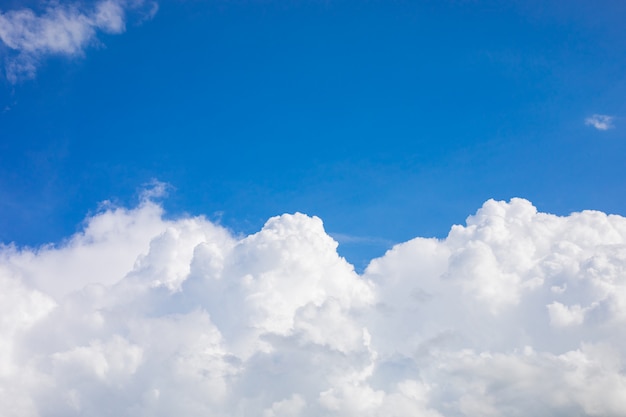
point(62, 29)
point(600, 121)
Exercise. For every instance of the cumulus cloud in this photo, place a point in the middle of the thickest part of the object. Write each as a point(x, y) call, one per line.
point(61, 29)
point(516, 313)
point(600, 121)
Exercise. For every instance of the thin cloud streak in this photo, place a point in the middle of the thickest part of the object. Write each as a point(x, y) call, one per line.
point(344, 238)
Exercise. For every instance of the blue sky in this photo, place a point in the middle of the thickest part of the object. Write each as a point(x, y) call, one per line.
point(387, 119)
point(148, 151)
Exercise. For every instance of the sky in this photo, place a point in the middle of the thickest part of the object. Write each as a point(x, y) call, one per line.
point(332, 208)
point(387, 119)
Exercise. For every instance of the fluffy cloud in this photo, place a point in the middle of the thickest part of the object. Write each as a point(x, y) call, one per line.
point(600, 121)
point(62, 29)
point(516, 313)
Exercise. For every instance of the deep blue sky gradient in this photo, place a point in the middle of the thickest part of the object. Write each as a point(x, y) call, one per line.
point(388, 119)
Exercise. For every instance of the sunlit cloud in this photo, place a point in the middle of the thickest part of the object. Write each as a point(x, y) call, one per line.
point(516, 313)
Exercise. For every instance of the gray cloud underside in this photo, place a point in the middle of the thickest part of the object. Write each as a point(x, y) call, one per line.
point(517, 313)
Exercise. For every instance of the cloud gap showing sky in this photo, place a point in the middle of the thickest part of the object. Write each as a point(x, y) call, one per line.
point(515, 313)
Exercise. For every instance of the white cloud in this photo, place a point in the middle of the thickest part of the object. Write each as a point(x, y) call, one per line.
point(62, 29)
point(600, 121)
point(516, 313)
point(154, 189)
point(562, 315)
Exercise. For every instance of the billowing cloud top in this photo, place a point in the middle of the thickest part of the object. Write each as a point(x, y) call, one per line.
point(517, 313)
point(63, 29)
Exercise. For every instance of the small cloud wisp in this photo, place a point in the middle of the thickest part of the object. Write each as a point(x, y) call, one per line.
point(600, 121)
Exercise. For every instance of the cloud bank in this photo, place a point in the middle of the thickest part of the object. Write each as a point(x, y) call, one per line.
point(600, 121)
point(516, 313)
point(62, 29)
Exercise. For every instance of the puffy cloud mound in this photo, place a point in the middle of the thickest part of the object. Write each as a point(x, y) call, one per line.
point(62, 29)
point(516, 313)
